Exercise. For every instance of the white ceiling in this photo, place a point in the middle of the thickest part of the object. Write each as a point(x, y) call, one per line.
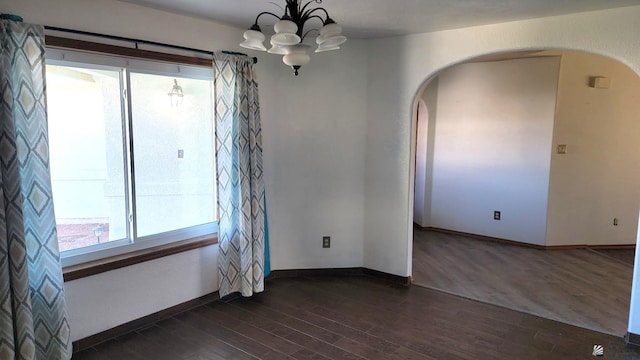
point(379, 18)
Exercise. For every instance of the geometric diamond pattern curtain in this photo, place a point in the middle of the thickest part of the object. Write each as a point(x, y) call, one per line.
point(33, 318)
point(242, 239)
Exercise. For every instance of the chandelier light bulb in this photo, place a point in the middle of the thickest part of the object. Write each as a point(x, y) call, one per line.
point(334, 41)
point(330, 30)
point(296, 59)
point(297, 55)
point(285, 33)
point(277, 49)
point(285, 26)
point(323, 48)
point(254, 40)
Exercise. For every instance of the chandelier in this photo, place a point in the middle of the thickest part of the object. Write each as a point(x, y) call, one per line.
point(290, 33)
point(176, 94)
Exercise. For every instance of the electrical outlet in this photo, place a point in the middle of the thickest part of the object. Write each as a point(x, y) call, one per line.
point(615, 221)
point(180, 153)
point(496, 215)
point(326, 242)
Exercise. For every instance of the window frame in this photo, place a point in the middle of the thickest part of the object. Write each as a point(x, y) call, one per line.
point(90, 260)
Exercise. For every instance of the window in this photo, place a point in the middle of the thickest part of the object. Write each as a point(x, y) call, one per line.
point(129, 169)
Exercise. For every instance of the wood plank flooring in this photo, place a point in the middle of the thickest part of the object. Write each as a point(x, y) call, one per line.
point(579, 287)
point(357, 318)
point(627, 256)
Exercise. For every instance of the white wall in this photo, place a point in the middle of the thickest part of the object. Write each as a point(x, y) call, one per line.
point(597, 180)
point(430, 98)
point(634, 311)
point(395, 68)
point(106, 300)
point(422, 134)
point(314, 130)
point(398, 67)
point(589, 187)
point(493, 134)
point(425, 143)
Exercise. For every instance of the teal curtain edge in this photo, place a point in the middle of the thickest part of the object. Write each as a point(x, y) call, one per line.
point(11, 17)
point(267, 256)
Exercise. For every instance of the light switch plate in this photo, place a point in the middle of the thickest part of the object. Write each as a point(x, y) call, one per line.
point(562, 149)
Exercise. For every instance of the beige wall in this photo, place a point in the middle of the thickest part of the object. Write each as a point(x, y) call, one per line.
point(597, 180)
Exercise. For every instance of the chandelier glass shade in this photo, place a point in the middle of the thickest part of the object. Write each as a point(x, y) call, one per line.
point(290, 33)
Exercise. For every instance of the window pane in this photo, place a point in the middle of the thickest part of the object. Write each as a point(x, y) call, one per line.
point(86, 150)
point(173, 150)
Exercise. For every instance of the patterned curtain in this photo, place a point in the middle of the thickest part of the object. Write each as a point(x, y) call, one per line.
point(242, 238)
point(33, 320)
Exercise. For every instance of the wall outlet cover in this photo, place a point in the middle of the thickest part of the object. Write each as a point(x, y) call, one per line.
point(326, 242)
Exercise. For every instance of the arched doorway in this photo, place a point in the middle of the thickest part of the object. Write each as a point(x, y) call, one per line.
point(513, 161)
point(402, 66)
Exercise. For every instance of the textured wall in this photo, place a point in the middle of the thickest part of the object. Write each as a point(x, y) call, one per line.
point(493, 136)
point(421, 199)
point(597, 180)
point(350, 123)
point(398, 68)
point(314, 131)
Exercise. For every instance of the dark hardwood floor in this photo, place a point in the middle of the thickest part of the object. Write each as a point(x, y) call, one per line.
point(356, 318)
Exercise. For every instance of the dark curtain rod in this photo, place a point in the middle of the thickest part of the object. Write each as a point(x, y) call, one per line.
point(138, 41)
